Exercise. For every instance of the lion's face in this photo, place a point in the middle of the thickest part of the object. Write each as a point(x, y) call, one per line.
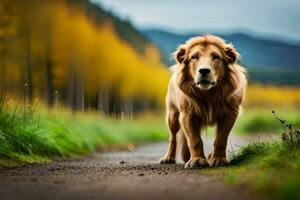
point(206, 65)
point(206, 60)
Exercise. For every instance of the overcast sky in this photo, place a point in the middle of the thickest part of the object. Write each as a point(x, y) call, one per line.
point(273, 18)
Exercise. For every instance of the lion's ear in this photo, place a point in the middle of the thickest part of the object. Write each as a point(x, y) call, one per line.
point(231, 54)
point(179, 54)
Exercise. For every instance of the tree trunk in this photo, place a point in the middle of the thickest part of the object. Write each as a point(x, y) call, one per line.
point(71, 87)
point(79, 98)
point(3, 67)
point(49, 76)
point(28, 65)
point(103, 101)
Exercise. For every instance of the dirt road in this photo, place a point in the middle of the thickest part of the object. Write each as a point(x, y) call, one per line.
point(121, 175)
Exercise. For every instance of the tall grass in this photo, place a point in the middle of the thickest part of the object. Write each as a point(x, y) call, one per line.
point(29, 134)
point(272, 167)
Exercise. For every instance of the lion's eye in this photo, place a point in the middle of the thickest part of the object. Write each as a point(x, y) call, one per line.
point(215, 57)
point(195, 56)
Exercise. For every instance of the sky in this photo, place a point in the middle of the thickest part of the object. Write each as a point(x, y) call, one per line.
point(268, 18)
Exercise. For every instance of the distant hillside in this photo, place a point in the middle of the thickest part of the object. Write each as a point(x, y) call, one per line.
point(268, 61)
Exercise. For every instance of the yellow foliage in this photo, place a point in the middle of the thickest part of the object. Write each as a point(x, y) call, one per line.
point(152, 54)
point(105, 60)
point(272, 96)
point(93, 52)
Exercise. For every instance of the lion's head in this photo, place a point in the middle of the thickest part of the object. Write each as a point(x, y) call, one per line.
point(206, 59)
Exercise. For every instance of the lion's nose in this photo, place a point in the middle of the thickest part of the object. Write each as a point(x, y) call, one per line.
point(204, 71)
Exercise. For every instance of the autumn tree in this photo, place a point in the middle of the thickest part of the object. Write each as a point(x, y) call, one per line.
point(63, 47)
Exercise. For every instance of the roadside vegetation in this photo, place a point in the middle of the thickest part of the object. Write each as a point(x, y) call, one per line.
point(256, 117)
point(40, 139)
point(33, 134)
point(259, 120)
point(271, 167)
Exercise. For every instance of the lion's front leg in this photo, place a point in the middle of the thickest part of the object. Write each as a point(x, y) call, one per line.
point(224, 126)
point(191, 127)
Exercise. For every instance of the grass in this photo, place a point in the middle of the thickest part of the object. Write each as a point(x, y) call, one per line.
point(260, 120)
point(270, 167)
point(260, 100)
point(28, 135)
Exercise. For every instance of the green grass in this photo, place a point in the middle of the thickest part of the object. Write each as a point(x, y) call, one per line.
point(269, 167)
point(261, 120)
point(256, 121)
point(272, 167)
point(29, 138)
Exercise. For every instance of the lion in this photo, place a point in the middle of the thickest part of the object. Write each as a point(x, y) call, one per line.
point(207, 88)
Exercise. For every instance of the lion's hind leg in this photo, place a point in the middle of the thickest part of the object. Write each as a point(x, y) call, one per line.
point(184, 149)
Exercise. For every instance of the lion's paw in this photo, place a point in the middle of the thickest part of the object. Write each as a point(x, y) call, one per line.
point(196, 163)
point(167, 161)
point(218, 162)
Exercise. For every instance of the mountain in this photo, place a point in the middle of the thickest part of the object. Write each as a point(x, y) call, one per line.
point(268, 61)
point(256, 52)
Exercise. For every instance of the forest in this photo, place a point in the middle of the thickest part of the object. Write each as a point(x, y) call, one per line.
point(75, 54)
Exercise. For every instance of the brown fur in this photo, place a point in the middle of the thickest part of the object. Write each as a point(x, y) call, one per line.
point(193, 106)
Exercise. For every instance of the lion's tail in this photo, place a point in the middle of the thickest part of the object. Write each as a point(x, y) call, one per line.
point(183, 147)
